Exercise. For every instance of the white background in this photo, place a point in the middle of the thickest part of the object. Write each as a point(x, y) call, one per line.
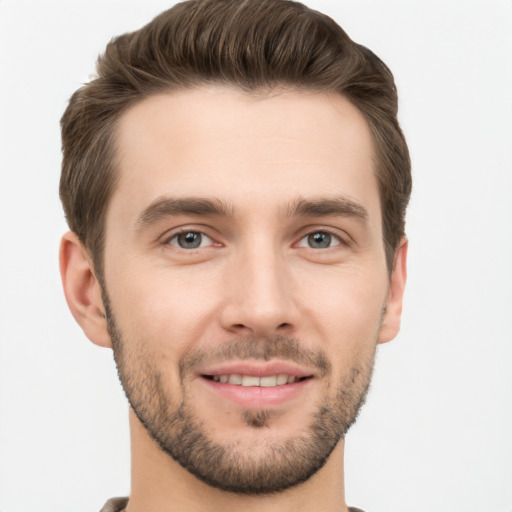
point(435, 434)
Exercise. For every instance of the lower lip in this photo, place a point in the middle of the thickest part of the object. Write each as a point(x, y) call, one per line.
point(257, 397)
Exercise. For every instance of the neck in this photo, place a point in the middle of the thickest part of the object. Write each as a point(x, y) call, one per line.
point(160, 483)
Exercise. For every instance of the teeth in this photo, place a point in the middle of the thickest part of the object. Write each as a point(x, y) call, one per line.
point(248, 380)
point(235, 379)
point(282, 379)
point(253, 381)
point(268, 381)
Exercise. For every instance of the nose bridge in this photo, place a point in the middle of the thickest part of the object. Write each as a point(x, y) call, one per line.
point(260, 299)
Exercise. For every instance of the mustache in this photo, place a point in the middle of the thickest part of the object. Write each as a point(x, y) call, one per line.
point(261, 349)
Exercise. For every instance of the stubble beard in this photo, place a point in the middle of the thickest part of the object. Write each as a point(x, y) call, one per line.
point(268, 467)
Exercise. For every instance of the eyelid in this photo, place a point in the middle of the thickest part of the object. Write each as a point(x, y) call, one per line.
point(206, 241)
point(334, 238)
point(174, 232)
point(343, 237)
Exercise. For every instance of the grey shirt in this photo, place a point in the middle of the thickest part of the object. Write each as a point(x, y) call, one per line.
point(119, 504)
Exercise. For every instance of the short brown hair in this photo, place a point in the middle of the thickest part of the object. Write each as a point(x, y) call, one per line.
point(251, 44)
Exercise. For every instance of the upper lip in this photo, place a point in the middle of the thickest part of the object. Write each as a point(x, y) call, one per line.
point(264, 369)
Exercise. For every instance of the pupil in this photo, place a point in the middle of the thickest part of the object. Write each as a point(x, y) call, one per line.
point(189, 240)
point(320, 240)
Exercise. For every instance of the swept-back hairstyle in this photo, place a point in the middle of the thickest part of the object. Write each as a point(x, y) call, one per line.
point(255, 45)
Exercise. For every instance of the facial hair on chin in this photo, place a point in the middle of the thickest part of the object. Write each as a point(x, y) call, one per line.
point(274, 467)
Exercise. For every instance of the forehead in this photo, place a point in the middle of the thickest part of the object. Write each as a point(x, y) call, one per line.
point(252, 151)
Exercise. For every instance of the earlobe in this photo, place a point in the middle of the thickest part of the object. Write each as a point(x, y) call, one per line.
point(82, 289)
point(392, 316)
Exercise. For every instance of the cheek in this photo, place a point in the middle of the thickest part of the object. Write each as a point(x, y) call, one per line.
point(161, 307)
point(345, 307)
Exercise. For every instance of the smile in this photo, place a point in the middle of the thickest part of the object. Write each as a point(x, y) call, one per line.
point(255, 381)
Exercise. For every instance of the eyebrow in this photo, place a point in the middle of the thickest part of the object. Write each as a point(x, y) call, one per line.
point(169, 207)
point(335, 206)
point(322, 207)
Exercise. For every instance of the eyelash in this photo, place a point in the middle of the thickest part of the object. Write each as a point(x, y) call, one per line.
point(186, 232)
point(331, 237)
point(308, 238)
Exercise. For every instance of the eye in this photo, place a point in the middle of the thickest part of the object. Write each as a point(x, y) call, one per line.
point(319, 240)
point(190, 240)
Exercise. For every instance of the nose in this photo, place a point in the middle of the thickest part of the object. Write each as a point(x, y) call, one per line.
point(260, 298)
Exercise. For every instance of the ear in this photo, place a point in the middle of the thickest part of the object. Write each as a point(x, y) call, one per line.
point(392, 316)
point(82, 289)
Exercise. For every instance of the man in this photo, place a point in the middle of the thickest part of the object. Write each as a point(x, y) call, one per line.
point(235, 181)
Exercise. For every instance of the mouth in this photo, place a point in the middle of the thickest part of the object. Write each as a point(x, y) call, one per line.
point(268, 381)
point(257, 386)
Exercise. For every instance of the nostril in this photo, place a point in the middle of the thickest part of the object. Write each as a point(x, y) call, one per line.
point(260, 329)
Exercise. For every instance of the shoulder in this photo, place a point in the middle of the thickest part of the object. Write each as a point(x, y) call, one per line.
point(115, 505)
point(118, 504)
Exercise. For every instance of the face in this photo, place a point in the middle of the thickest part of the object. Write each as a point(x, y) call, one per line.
point(245, 279)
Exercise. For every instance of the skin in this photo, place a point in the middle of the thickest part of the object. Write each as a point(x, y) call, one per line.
point(254, 276)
